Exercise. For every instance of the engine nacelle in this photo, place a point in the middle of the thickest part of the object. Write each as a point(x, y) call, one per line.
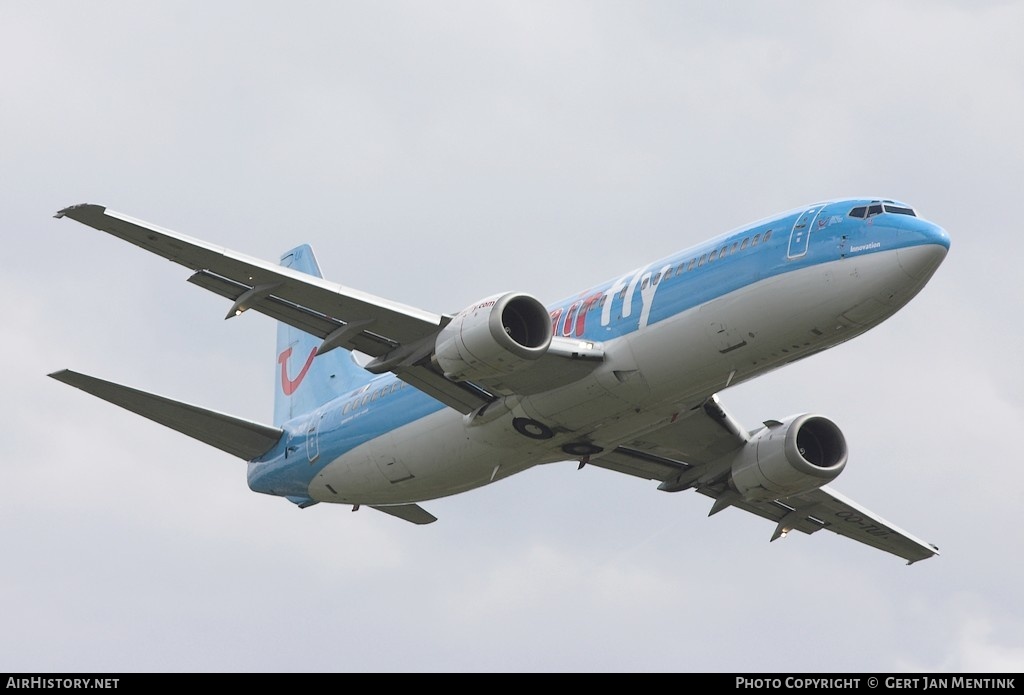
point(798, 455)
point(494, 337)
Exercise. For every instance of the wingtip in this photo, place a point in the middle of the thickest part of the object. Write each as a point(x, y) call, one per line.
point(64, 211)
point(935, 553)
point(71, 208)
point(67, 376)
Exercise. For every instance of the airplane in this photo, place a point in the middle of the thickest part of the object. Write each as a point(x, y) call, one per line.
point(384, 405)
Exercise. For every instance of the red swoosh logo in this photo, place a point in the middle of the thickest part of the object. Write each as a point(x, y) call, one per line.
point(290, 385)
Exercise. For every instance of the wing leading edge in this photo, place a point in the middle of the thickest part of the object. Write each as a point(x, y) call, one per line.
point(694, 452)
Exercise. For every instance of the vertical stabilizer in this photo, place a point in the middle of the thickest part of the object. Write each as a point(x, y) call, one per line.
point(302, 381)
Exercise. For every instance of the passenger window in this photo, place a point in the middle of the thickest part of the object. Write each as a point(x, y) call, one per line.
point(657, 279)
point(643, 285)
point(767, 236)
point(680, 268)
point(713, 256)
point(744, 244)
point(725, 250)
point(703, 258)
point(735, 246)
point(693, 264)
point(757, 237)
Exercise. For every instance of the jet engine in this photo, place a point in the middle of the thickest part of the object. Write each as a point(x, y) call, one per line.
point(494, 337)
point(787, 458)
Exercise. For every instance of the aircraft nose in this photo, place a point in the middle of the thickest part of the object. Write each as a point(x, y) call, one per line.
point(921, 259)
point(936, 235)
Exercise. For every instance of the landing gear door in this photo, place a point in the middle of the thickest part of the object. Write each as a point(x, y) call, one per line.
point(801, 234)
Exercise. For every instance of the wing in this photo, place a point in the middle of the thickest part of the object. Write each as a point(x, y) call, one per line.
point(696, 451)
point(399, 338)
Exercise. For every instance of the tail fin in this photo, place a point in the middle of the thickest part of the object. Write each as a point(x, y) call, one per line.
point(304, 381)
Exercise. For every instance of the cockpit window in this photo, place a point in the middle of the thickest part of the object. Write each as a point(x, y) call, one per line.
point(878, 208)
point(900, 210)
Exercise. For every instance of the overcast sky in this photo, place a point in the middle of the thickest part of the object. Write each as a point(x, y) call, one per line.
point(436, 153)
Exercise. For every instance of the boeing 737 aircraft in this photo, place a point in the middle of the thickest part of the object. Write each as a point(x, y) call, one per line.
point(623, 375)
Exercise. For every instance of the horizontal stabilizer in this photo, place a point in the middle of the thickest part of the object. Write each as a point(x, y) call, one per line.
point(409, 512)
point(242, 438)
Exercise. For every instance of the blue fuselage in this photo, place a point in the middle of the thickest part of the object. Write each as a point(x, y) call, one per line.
point(673, 332)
